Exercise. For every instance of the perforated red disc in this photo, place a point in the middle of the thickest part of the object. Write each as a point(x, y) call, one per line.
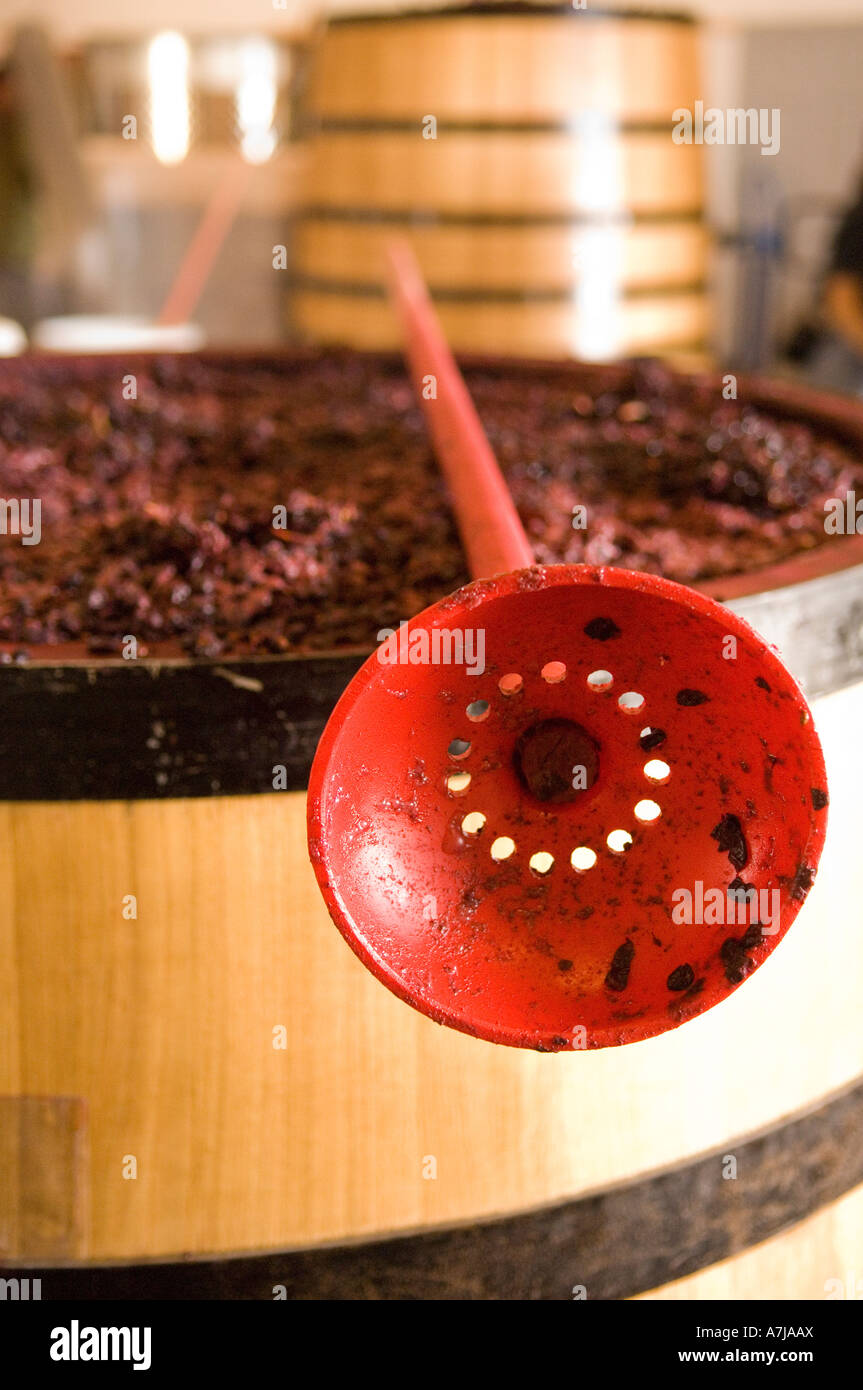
point(584, 922)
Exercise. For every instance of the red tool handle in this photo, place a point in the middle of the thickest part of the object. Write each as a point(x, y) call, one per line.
point(204, 249)
point(491, 531)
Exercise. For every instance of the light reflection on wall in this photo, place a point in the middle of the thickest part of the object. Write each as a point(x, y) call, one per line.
point(168, 82)
point(597, 249)
point(256, 100)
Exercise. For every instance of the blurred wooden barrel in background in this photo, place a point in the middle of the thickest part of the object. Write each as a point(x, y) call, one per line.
point(526, 151)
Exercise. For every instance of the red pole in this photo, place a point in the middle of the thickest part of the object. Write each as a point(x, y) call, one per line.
point(490, 528)
point(203, 250)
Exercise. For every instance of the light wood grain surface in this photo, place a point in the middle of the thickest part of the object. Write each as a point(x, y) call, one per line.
point(506, 66)
point(164, 1026)
point(557, 329)
point(536, 172)
point(508, 257)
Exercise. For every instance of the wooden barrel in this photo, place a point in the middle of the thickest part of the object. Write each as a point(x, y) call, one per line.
point(526, 151)
point(217, 1076)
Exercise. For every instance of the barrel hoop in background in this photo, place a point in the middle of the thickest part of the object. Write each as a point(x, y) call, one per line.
point(471, 294)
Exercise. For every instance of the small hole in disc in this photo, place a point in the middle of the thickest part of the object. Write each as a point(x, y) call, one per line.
point(473, 822)
point(541, 862)
point(477, 710)
point(510, 684)
point(582, 859)
point(647, 810)
point(459, 748)
point(631, 701)
point(600, 680)
point(457, 783)
point(619, 841)
point(553, 672)
point(650, 738)
point(502, 848)
point(556, 760)
point(657, 771)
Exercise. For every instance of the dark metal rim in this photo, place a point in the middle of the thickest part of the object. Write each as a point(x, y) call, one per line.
point(149, 730)
point(383, 125)
point(475, 294)
point(613, 1244)
point(539, 9)
point(432, 217)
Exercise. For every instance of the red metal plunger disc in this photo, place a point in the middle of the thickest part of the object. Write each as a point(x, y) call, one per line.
point(531, 854)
